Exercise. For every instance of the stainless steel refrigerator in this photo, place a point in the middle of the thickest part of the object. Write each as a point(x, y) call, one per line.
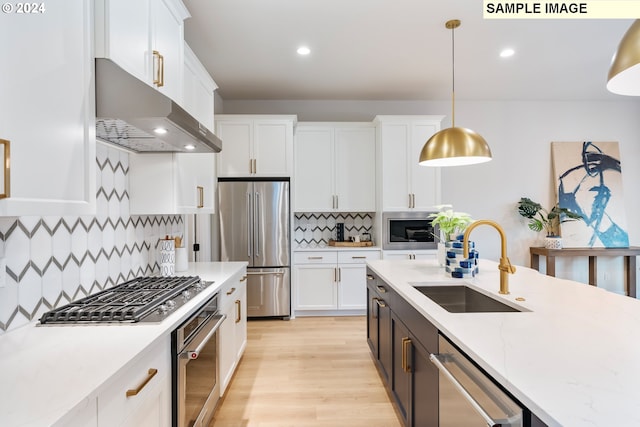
point(254, 227)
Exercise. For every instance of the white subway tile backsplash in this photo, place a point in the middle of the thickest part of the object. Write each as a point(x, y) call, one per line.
point(52, 261)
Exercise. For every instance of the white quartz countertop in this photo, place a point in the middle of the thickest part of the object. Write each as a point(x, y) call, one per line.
point(45, 372)
point(573, 359)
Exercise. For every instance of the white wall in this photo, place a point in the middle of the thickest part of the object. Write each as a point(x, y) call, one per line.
point(519, 133)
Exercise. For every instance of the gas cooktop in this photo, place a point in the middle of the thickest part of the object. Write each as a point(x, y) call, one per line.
point(144, 299)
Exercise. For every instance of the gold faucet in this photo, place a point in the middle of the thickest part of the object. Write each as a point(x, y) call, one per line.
point(505, 266)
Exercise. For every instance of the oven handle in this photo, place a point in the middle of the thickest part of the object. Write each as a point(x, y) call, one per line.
point(435, 359)
point(193, 354)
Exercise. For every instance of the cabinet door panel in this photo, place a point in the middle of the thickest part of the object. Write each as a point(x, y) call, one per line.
point(395, 182)
point(314, 176)
point(425, 389)
point(128, 34)
point(316, 287)
point(168, 41)
point(233, 160)
point(47, 110)
point(195, 182)
point(355, 169)
point(400, 379)
point(272, 149)
point(425, 181)
point(352, 289)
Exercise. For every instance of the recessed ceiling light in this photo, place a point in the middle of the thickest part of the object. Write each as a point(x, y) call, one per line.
point(507, 53)
point(160, 131)
point(189, 147)
point(303, 50)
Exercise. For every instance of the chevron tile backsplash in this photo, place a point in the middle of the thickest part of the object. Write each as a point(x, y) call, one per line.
point(51, 261)
point(313, 230)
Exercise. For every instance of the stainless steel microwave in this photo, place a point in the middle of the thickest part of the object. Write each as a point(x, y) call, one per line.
point(407, 230)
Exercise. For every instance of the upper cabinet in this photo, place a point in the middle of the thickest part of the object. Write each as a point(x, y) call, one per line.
point(163, 184)
point(47, 110)
point(146, 39)
point(255, 145)
point(335, 167)
point(197, 89)
point(404, 184)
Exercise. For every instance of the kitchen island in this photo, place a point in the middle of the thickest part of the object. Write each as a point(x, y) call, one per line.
point(571, 356)
point(49, 374)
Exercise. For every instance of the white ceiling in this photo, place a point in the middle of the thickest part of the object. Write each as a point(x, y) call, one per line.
point(396, 50)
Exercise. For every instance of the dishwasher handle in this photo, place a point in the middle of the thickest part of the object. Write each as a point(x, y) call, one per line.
point(435, 359)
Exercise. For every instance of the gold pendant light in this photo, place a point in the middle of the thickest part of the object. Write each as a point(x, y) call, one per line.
point(454, 146)
point(624, 74)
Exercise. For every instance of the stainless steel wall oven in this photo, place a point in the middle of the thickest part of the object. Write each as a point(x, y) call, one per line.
point(196, 388)
point(407, 230)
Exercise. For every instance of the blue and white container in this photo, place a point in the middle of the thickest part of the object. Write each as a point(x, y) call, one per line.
point(458, 266)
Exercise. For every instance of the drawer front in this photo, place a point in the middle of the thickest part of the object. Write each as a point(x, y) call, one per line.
point(140, 382)
point(315, 257)
point(229, 292)
point(357, 257)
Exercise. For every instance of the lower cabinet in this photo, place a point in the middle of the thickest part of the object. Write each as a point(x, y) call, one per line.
point(233, 331)
point(331, 280)
point(140, 396)
point(401, 341)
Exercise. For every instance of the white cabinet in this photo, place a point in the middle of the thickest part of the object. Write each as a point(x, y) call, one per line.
point(335, 167)
point(233, 331)
point(47, 110)
point(145, 38)
point(197, 89)
point(141, 394)
point(83, 415)
point(255, 145)
point(171, 183)
point(331, 280)
point(426, 254)
point(403, 183)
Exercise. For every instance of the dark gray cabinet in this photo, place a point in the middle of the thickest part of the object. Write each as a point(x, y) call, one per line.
point(401, 340)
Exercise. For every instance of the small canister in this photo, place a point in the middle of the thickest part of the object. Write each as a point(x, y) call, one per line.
point(167, 259)
point(340, 232)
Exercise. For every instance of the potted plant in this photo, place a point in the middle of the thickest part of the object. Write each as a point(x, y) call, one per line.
point(449, 222)
point(547, 220)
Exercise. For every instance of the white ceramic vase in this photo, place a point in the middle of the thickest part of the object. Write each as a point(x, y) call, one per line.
point(553, 242)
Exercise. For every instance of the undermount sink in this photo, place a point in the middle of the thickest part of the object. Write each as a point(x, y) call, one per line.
point(463, 299)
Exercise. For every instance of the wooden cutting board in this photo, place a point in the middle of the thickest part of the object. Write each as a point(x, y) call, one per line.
point(350, 244)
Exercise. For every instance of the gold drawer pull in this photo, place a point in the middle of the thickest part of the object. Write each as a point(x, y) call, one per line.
point(152, 373)
point(243, 278)
point(370, 277)
point(238, 311)
point(200, 196)
point(314, 257)
point(406, 346)
point(358, 257)
point(230, 291)
point(382, 289)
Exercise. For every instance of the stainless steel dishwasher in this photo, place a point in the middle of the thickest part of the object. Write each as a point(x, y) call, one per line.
point(467, 397)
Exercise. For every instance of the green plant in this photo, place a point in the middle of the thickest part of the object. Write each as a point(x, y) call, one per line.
point(449, 222)
point(543, 219)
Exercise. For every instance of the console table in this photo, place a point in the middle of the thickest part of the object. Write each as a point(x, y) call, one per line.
point(629, 255)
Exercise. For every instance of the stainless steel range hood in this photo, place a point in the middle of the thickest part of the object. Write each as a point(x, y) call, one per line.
point(128, 113)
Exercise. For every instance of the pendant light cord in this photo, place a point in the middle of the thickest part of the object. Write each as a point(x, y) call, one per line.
point(453, 78)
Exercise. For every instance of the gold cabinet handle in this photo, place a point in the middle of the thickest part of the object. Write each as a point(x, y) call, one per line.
point(200, 196)
point(314, 257)
point(158, 78)
point(238, 311)
point(244, 278)
point(382, 289)
point(230, 291)
point(5, 191)
point(370, 277)
point(358, 257)
point(380, 302)
point(255, 166)
point(152, 373)
point(406, 342)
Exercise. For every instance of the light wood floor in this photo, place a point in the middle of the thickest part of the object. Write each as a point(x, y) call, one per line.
point(306, 372)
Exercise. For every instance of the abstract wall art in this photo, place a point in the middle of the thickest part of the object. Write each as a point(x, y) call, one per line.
point(589, 182)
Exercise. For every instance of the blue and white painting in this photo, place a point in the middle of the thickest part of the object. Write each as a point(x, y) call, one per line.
point(589, 183)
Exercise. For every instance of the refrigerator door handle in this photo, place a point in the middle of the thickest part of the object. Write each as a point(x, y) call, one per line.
point(249, 225)
point(257, 224)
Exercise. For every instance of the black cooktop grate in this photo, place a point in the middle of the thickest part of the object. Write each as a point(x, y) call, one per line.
point(128, 302)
